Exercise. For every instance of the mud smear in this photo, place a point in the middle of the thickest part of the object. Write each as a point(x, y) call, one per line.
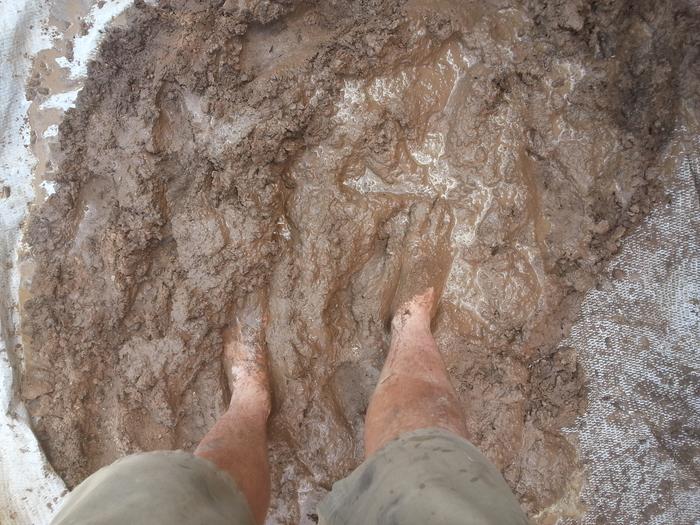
point(216, 152)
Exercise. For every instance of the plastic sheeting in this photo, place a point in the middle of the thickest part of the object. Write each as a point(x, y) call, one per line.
point(639, 341)
point(29, 490)
point(638, 337)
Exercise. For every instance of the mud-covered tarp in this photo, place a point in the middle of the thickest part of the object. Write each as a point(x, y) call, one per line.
point(639, 340)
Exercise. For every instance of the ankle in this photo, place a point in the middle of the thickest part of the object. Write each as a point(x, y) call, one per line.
point(250, 415)
point(412, 315)
point(254, 403)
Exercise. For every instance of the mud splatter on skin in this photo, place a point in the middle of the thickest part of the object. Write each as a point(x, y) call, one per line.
point(221, 149)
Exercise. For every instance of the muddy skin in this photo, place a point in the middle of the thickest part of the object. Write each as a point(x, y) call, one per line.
point(220, 150)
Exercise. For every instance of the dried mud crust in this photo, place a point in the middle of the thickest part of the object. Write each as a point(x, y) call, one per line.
point(217, 150)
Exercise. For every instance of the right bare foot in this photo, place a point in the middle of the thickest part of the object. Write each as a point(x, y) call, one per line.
point(245, 359)
point(425, 261)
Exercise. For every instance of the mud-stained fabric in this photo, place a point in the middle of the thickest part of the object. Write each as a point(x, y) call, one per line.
point(427, 476)
point(168, 488)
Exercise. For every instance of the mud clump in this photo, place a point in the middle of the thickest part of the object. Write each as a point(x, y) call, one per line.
point(221, 150)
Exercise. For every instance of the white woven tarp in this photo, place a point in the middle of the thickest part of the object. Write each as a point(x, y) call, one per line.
point(639, 342)
point(29, 490)
point(638, 337)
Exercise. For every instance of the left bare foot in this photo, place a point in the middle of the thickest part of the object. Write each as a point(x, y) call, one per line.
point(245, 358)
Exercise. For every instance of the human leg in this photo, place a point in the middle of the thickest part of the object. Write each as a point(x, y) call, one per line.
point(419, 466)
point(414, 390)
point(237, 443)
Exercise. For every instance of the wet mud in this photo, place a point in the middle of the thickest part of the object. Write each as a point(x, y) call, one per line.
point(222, 151)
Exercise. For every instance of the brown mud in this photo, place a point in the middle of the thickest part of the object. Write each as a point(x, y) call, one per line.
point(220, 151)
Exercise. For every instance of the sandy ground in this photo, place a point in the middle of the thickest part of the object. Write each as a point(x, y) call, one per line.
point(219, 154)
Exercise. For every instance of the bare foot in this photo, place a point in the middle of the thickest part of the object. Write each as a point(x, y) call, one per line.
point(245, 359)
point(426, 259)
